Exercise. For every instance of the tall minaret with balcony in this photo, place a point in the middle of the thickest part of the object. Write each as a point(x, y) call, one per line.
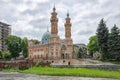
point(54, 22)
point(68, 27)
point(54, 38)
point(68, 38)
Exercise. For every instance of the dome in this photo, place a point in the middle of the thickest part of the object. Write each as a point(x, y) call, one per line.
point(45, 37)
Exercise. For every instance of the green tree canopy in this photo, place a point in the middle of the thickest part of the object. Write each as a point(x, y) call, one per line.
point(25, 47)
point(36, 42)
point(114, 43)
point(92, 46)
point(102, 34)
point(7, 55)
point(1, 54)
point(80, 53)
point(14, 44)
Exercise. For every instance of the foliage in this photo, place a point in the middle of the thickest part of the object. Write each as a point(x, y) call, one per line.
point(25, 47)
point(36, 42)
point(14, 44)
point(80, 53)
point(102, 34)
point(69, 72)
point(37, 64)
point(1, 54)
point(114, 43)
point(7, 55)
point(93, 45)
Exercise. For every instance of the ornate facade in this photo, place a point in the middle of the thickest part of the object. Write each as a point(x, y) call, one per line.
point(51, 46)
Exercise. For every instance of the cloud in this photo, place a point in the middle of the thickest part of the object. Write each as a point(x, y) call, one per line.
point(30, 18)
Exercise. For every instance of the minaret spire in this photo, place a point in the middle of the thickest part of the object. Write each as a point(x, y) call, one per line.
point(54, 22)
point(54, 8)
point(67, 26)
point(67, 14)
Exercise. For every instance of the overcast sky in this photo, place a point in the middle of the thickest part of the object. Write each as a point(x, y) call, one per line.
point(30, 18)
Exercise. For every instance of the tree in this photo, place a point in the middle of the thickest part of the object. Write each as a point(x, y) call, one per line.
point(102, 34)
point(14, 44)
point(25, 47)
point(93, 45)
point(80, 53)
point(36, 42)
point(114, 43)
point(1, 55)
point(7, 55)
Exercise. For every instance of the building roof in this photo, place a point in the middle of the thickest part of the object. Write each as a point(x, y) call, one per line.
point(4, 24)
point(45, 37)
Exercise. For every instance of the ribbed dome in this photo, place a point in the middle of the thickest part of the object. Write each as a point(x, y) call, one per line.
point(45, 37)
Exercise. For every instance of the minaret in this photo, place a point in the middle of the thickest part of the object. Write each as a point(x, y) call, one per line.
point(54, 44)
point(54, 22)
point(67, 27)
point(68, 38)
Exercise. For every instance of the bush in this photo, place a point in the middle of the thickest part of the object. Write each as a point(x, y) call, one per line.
point(7, 55)
point(114, 55)
point(1, 55)
point(37, 64)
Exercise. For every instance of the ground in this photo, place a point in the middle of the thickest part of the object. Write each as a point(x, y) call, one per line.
point(22, 76)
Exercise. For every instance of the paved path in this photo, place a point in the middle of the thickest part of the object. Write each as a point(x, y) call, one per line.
point(21, 76)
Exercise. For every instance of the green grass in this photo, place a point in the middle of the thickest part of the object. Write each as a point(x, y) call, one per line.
point(73, 72)
point(83, 72)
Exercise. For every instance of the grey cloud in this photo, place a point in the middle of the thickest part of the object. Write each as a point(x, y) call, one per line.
point(117, 16)
point(87, 32)
point(85, 16)
point(37, 34)
point(39, 23)
point(40, 8)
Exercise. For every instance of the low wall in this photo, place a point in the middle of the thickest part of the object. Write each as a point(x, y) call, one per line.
point(104, 67)
point(22, 64)
point(16, 64)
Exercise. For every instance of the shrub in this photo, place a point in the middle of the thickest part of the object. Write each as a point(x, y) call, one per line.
point(1, 55)
point(7, 55)
point(37, 64)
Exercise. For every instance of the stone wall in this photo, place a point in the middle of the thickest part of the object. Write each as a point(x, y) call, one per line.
point(16, 64)
point(104, 67)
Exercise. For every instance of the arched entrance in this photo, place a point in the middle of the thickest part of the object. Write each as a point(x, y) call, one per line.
point(63, 56)
point(63, 50)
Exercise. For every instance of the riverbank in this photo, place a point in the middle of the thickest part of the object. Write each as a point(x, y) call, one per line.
point(23, 76)
point(82, 72)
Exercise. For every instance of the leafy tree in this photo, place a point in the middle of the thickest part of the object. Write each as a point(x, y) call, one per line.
point(14, 44)
point(7, 55)
point(25, 47)
point(36, 42)
point(1, 54)
point(102, 34)
point(80, 53)
point(114, 43)
point(93, 45)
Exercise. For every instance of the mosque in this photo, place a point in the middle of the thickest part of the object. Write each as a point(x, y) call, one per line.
point(52, 46)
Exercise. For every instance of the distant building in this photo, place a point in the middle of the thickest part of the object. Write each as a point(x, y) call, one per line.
point(33, 42)
point(52, 46)
point(79, 51)
point(5, 30)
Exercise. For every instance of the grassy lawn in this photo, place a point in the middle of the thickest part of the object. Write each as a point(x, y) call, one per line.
point(70, 72)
